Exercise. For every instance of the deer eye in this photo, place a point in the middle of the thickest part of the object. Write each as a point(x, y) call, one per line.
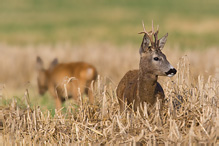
point(156, 58)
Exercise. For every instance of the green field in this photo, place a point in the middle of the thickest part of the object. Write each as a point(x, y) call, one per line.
point(190, 24)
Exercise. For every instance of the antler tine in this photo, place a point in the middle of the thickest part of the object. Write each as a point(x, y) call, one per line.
point(144, 31)
point(150, 34)
point(143, 26)
point(152, 27)
point(156, 36)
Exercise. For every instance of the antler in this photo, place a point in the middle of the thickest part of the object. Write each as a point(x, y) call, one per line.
point(151, 34)
point(156, 37)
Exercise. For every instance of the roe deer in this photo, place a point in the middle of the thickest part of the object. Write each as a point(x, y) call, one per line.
point(141, 85)
point(52, 79)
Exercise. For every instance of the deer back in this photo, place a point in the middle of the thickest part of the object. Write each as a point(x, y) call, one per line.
point(71, 74)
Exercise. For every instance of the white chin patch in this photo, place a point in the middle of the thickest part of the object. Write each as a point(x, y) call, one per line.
point(170, 75)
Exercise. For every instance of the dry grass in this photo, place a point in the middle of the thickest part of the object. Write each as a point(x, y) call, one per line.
point(190, 112)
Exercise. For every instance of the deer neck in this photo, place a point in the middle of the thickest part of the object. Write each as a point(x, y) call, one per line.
point(48, 76)
point(147, 83)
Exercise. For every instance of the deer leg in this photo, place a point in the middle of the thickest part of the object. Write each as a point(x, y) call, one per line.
point(86, 88)
point(122, 104)
point(90, 95)
point(58, 103)
point(122, 107)
point(74, 90)
point(82, 86)
point(89, 92)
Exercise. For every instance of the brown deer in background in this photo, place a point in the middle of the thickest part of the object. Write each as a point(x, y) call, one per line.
point(138, 86)
point(52, 79)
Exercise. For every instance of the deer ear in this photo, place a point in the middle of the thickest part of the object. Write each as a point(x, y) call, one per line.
point(53, 64)
point(162, 41)
point(145, 43)
point(39, 63)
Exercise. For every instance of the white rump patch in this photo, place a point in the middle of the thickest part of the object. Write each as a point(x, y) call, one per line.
point(89, 72)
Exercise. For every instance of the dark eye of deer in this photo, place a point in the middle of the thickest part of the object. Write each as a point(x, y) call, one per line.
point(156, 58)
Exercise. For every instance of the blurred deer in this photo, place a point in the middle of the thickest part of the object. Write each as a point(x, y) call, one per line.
point(138, 86)
point(63, 80)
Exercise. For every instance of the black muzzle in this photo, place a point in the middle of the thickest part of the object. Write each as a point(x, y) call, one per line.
point(171, 72)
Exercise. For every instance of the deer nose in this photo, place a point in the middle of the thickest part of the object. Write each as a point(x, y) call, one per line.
point(171, 72)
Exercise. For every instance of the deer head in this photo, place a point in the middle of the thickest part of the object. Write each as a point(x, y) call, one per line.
point(152, 60)
point(43, 74)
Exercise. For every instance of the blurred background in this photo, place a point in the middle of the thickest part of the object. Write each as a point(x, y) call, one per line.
point(191, 24)
point(103, 33)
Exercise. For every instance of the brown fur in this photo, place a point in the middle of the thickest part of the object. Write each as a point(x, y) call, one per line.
point(59, 75)
point(138, 86)
point(128, 90)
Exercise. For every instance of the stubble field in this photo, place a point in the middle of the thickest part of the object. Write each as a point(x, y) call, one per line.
point(105, 35)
